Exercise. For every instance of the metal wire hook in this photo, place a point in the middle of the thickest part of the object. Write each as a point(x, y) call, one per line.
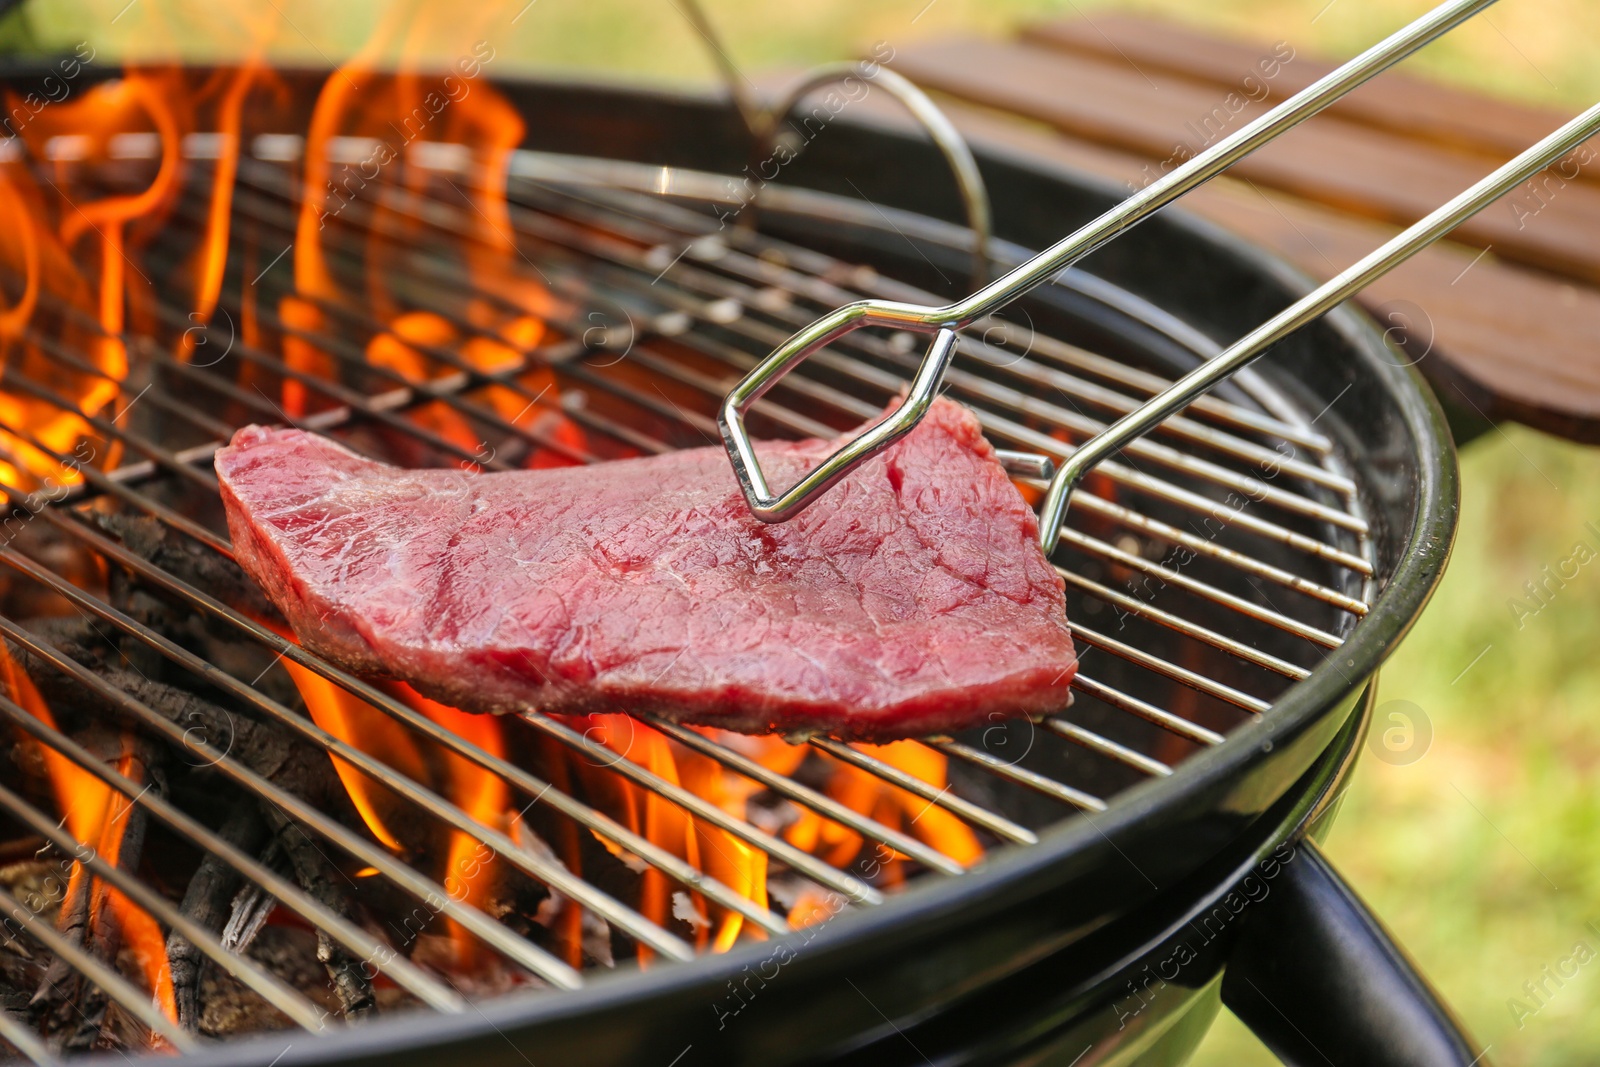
point(969, 181)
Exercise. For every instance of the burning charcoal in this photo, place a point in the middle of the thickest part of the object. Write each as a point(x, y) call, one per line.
point(86, 916)
point(318, 877)
point(219, 642)
point(247, 914)
point(271, 752)
point(600, 867)
point(37, 885)
point(594, 932)
point(252, 905)
point(229, 1007)
point(208, 899)
point(265, 747)
point(194, 563)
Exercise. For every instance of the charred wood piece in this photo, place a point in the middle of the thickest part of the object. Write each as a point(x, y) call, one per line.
point(208, 901)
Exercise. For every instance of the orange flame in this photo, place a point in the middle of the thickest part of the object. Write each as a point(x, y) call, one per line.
point(142, 103)
point(484, 796)
point(104, 111)
point(362, 726)
point(492, 333)
point(400, 349)
point(895, 808)
point(644, 812)
point(40, 267)
point(214, 250)
point(97, 815)
point(21, 243)
point(469, 866)
point(313, 278)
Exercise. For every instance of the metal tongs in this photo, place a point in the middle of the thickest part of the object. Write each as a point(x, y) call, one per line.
point(943, 322)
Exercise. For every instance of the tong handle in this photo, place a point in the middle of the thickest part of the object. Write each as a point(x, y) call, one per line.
point(944, 321)
point(1307, 309)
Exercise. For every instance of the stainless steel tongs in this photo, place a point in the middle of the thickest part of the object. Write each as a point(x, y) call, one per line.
point(943, 322)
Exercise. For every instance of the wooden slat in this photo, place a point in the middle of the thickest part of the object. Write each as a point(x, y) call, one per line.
point(1511, 342)
point(1395, 101)
point(1359, 170)
point(1514, 343)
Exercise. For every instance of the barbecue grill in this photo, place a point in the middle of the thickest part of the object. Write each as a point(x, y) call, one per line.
point(1234, 580)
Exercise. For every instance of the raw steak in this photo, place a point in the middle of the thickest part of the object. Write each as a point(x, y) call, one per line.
point(911, 599)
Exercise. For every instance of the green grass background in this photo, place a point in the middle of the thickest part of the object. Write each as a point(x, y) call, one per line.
point(1483, 855)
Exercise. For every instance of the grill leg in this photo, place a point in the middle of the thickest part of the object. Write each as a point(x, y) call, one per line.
point(1320, 981)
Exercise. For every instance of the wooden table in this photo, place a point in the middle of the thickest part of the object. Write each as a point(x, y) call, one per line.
point(1505, 317)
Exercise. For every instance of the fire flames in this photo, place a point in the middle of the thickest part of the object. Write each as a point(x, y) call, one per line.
point(72, 278)
point(97, 816)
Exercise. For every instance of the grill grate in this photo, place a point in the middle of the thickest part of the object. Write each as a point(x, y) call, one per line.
point(1192, 613)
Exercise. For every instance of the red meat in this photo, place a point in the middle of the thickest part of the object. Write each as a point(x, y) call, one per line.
point(911, 599)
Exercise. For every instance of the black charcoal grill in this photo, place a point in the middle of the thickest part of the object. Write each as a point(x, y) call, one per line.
point(1233, 582)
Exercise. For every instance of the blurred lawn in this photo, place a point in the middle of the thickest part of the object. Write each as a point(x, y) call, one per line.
point(1482, 856)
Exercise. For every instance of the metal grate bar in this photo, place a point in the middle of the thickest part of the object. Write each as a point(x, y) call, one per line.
point(1156, 529)
point(806, 796)
point(599, 381)
point(1176, 724)
point(352, 937)
point(1095, 546)
point(680, 413)
point(996, 824)
point(531, 785)
point(907, 293)
point(973, 813)
point(1010, 771)
point(488, 930)
point(106, 426)
point(1196, 503)
point(1134, 606)
point(1182, 427)
point(268, 986)
point(818, 871)
point(24, 1041)
point(1122, 753)
point(546, 871)
point(1261, 612)
point(1189, 678)
point(134, 1001)
point(566, 233)
point(538, 179)
point(423, 390)
point(1039, 379)
point(107, 484)
point(448, 389)
point(435, 213)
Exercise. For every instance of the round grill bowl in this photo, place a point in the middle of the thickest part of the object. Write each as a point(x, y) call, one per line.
point(865, 981)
